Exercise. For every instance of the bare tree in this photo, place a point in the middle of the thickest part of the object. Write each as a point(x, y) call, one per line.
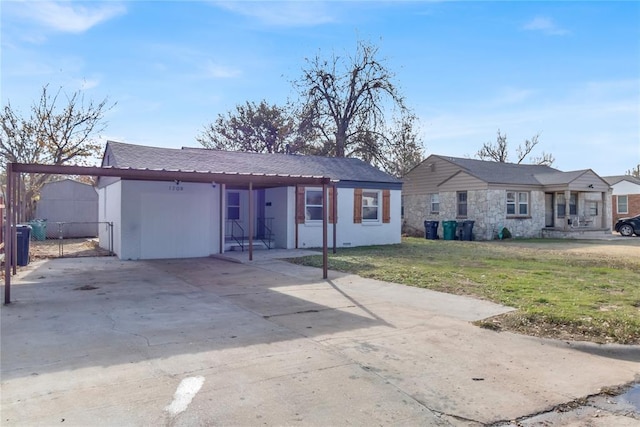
point(405, 151)
point(345, 100)
point(52, 134)
point(499, 151)
point(634, 172)
point(260, 128)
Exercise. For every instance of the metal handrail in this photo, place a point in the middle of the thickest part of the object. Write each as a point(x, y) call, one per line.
point(240, 241)
point(268, 232)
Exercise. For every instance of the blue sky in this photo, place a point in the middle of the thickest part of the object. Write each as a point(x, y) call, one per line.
point(567, 70)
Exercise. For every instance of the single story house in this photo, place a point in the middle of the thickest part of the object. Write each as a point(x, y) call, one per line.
point(625, 197)
point(529, 200)
point(180, 219)
point(70, 207)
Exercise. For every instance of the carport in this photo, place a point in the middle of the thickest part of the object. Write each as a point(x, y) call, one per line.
point(237, 180)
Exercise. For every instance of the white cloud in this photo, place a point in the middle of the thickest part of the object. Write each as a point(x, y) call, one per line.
point(545, 25)
point(282, 13)
point(70, 17)
point(511, 95)
point(217, 71)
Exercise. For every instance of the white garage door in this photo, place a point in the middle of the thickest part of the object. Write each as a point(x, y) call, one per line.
point(176, 225)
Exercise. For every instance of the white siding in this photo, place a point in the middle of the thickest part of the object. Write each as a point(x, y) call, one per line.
point(625, 187)
point(350, 234)
point(281, 207)
point(162, 220)
point(109, 210)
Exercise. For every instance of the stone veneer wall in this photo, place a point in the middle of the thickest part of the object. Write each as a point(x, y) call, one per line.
point(485, 207)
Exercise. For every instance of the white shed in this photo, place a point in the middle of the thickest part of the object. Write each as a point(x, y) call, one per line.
point(69, 206)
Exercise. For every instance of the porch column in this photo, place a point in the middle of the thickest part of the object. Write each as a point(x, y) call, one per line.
point(251, 216)
point(325, 238)
point(567, 211)
point(223, 216)
point(334, 207)
point(605, 221)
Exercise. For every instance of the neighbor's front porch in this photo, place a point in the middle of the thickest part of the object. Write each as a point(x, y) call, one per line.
point(577, 214)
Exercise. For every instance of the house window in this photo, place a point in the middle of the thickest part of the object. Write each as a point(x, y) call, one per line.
point(435, 203)
point(517, 203)
point(623, 204)
point(313, 205)
point(593, 209)
point(561, 204)
point(233, 205)
point(370, 205)
point(462, 203)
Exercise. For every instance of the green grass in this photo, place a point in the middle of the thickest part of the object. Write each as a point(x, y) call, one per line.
point(558, 293)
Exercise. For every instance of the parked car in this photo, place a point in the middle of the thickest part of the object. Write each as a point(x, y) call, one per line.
point(629, 226)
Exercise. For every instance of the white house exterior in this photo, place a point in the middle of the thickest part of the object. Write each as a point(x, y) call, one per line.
point(173, 219)
point(625, 197)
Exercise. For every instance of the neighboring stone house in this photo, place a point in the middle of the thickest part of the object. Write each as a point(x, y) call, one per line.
point(625, 197)
point(529, 200)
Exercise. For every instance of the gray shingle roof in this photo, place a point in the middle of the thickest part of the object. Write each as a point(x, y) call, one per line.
point(611, 180)
point(503, 173)
point(216, 161)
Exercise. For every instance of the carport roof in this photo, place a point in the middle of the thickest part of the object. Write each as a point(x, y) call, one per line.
point(123, 155)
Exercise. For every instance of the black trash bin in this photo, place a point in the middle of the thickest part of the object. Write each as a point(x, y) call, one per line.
point(431, 230)
point(467, 230)
point(23, 233)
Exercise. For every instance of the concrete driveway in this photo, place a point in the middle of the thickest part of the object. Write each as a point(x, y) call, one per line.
point(98, 341)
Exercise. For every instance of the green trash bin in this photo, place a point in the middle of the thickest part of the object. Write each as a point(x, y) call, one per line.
point(449, 229)
point(38, 229)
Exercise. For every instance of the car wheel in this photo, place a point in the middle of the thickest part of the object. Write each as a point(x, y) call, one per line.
point(626, 230)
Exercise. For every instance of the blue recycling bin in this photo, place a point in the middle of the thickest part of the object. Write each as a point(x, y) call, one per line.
point(431, 230)
point(467, 230)
point(23, 233)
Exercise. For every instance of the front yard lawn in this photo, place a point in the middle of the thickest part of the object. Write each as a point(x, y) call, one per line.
point(559, 293)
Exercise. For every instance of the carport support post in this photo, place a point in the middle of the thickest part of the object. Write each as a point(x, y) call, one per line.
point(325, 214)
point(8, 248)
point(14, 239)
point(334, 207)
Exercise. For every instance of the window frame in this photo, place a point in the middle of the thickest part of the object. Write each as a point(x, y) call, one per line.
point(518, 204)
point(233, 206)
point(460, 204)
point(573, 208)
point(626, 204)
point(435, 203)
point(314, 207)
point(377, 206)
